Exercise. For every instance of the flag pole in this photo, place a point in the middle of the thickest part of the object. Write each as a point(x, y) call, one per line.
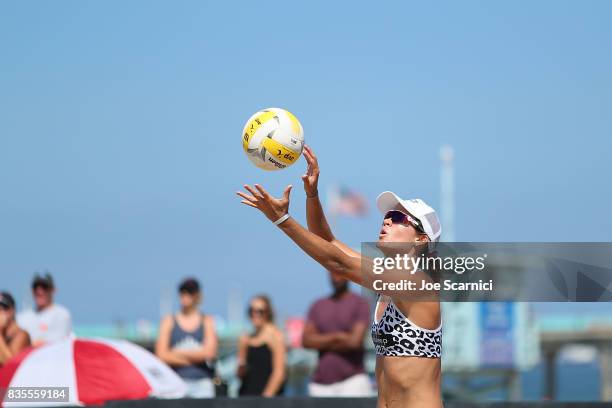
point(447, 199)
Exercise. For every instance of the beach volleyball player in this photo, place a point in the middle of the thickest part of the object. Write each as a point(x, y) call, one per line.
point(406, 333)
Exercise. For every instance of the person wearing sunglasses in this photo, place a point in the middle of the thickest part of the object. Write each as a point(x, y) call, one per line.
point(407, 334)
point(13, 339)
point(262, 354)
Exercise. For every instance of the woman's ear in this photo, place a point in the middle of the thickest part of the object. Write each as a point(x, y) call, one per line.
point(422, 238)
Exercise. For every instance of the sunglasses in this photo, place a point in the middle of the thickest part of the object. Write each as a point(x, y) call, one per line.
point(257, 311)
point(399, 217)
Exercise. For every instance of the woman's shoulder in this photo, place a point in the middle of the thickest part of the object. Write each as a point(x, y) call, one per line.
point(15, 334)
point(24, 334)
point(243, 339)
point(274, 334)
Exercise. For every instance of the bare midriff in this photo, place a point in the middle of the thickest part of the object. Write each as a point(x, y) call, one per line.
point(410, 381)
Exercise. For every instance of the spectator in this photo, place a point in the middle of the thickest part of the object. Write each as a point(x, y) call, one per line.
point(262, 354)
point(336, 327)
point(13, 339)
point(188, 342)
point(49, 321)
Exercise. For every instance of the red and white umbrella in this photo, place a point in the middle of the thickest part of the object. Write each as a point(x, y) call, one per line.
point(94, 370)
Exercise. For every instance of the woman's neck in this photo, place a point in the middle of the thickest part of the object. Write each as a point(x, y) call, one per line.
point(259, 329)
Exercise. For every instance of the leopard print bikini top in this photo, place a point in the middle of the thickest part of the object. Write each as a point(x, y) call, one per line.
point(395, 335)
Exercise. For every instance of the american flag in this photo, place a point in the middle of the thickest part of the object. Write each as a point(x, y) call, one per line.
point(344, 201)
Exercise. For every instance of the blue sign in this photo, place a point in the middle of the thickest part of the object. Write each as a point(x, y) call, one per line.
point(496, 331)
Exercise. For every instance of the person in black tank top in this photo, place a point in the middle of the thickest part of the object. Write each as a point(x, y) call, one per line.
point(262, 354)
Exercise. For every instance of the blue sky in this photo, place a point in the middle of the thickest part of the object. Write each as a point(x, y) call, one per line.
point(120, 134)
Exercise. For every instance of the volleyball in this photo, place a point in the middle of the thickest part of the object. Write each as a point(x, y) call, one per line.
point(273, 139)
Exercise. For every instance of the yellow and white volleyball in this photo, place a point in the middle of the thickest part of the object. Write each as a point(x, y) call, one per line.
point(273, 139)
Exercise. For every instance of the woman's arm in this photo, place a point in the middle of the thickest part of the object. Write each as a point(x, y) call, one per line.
point(315, 216)
point(279, 357)
point(5, 351)
point(162, 346)
point(356, 269)
point(20, 342)
point(242, 356)
point(322, 251)
point(325, 253)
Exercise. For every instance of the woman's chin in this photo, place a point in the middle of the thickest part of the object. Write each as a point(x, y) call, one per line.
point(384, 245)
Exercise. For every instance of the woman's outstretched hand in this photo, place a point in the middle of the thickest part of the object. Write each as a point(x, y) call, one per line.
point(273, 208)
point(311, 178)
